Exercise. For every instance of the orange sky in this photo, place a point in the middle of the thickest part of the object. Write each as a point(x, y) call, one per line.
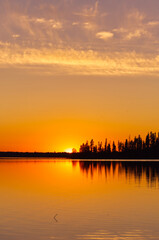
point(76, 71)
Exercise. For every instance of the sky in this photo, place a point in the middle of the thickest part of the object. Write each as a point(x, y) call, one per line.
point(75, 70)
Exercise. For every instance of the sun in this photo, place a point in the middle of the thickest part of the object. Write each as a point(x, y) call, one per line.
point(68, 150)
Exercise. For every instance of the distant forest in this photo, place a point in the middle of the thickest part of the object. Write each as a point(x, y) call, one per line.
point(136, 147)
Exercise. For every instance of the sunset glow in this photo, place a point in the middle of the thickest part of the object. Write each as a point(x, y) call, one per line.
point(76, 70)
point(68, 150)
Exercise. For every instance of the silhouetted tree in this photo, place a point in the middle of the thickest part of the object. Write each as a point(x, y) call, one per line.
point(84, 148)
point(152, 139)
point(139, 144)
point(120, 146)
point(91, 145)
point(100, 147)
point(113, 147)
point(147, 141)
point(126, 145)
point(109, 148)
point(95, 149)
point(74, 150)
point(105, 145)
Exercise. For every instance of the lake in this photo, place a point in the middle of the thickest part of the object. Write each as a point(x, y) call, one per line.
point(65, 199)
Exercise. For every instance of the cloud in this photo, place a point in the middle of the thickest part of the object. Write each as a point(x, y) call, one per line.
point(53, 23)
point(5, 44)
point(89, 26)
point(136, 15)
point(15, 35)
point(39, 20)
point(75, 23)
point(40, 25)
point(79, 62)
point(153, 23)
point(104, 35)
point(120, 30)
point(136, 34)
point(57, 25)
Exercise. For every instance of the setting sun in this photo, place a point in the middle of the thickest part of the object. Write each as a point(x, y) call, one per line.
point(68, 150)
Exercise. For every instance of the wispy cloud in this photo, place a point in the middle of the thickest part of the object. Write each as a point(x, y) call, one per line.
point(80, 62)
point(104, 35)
point(31, 34)
point(89, 26)
point(136, 15)
point(136, 34)
point(5, 44)
point(120, 30)
point(53, 23)
point(153, 23)
point(15, 35)
point(40, 20)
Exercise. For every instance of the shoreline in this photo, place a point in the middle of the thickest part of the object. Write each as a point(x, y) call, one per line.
point(84, 156)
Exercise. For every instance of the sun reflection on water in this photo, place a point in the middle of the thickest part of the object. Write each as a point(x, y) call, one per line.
point(103, 235)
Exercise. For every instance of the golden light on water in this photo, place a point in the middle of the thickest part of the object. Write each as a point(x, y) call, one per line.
point(94, 200)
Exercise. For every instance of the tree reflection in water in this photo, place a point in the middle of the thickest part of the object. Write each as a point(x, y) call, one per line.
point(137, 170)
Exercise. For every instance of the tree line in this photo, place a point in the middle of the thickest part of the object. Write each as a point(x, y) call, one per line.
point(137, 145)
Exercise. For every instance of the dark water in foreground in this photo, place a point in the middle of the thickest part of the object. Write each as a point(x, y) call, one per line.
point(61, 199)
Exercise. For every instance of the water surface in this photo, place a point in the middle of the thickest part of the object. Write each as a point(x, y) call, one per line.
point(62, 199)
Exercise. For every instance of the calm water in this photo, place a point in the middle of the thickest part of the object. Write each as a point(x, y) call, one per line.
point(42, 200)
